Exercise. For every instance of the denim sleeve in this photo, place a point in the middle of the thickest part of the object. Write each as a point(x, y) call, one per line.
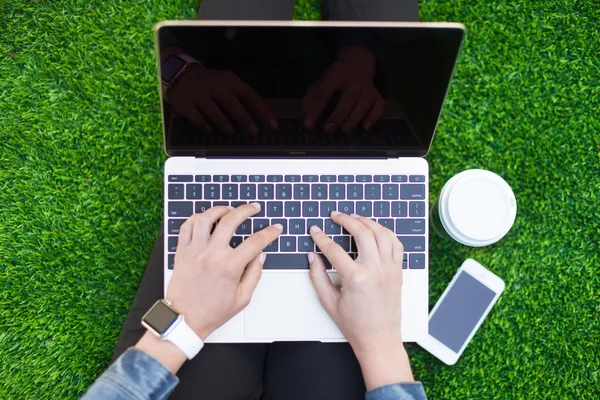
point(397, 391)
point(134, 375)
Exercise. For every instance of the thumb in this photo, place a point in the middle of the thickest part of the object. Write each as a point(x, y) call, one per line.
point(250, 278)
point(328, 294)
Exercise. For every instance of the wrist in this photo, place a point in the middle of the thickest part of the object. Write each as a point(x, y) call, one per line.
point(199, 328)
point(165, 352)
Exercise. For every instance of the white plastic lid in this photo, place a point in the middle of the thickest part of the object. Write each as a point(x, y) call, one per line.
point(477, 207)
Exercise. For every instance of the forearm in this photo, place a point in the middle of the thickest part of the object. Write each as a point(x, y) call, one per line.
point(163, 351)
point(385, 366)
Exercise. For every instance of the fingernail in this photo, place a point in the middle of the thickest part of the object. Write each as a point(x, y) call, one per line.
point(329, 127)
point(279, 227)
point(309, 123)
point(257, 205)
point(311, 257)
point(335, 213)
point(315, 228)
point(273, 124)
point(367, 126)
point(355, 215)
point(231, 208)
point(262, 258)
point(253, 129)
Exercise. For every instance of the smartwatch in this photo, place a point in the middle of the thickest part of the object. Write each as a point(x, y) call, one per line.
point(167, 324)
point(174, 66)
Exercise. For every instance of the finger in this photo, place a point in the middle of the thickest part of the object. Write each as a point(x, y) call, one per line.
point(308, 99)
point(253, 100)
point(365, 241)
point(323, 94)
point(382, 237)
point(337, 256)
point(192, 113)
point(202, 224)
point(228, 224)
point(256, 243)
point(375, 113)
point(347, 102)
point(250, 279)
point(214, 113)
point(232, 106)
point(366, 100)
point(328, 294)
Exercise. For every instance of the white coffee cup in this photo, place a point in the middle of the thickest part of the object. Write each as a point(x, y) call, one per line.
point(476, 208)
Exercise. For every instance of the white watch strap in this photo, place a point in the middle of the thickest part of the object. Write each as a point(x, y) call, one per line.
point(185, 339)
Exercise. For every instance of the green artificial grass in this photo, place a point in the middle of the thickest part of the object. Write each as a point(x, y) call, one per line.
point(81, 182)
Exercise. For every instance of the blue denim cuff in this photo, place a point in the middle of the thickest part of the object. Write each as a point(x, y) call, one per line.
point(397, 391)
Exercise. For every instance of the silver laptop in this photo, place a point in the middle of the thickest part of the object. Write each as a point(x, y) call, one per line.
point(305, 118)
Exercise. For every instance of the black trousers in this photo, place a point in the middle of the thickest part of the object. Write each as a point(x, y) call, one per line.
point(283, 370)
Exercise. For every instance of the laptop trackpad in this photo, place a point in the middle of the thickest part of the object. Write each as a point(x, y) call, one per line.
point(285, 306)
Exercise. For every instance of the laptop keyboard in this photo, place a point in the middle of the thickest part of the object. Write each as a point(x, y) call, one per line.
point(301, 201)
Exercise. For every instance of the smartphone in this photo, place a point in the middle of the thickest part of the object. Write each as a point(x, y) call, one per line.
point(460, 311)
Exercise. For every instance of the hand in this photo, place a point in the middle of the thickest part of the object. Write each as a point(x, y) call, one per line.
point(211, 281)
point(367, 307)
point(206, 96)
point(352, 76)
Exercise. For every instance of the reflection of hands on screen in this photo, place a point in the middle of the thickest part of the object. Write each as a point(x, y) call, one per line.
point(210, 97)
point(351, 75)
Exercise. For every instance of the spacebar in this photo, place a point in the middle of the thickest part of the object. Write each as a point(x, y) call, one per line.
point(286, 261)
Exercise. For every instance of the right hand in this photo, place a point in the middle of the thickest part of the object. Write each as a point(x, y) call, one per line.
point(219, 97)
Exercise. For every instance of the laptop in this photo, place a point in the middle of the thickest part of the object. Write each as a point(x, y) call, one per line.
point(235, 96)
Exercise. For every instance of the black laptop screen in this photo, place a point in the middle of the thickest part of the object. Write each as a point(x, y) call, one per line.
point(303, 91)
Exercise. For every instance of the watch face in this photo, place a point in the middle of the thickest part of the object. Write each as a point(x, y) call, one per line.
point(170, 68)
point(160, 317)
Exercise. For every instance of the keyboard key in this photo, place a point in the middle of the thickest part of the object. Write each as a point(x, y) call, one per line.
point(411, 192)
point(202, 206)
point(347, 207)
point(236, 204)
point(310, 209)
point(310, 178)
point(180, 208)
point(292, 209)
point(202, 178)
point(283, 191)
point(174, 225)
point(275, 209)
point(381, 209)
point(381, 178)
point(259, 224)
point(176, 191)
point(353, 247)
point(331, 228)
point(287, 244)
point(181, 178)
point(245, 228)
point(272, 247)
point(171, 261)
point(364, 178)
point(220, 203)
point(221, 178)
point(230, 191)
point(364, 208)
point(239, 178)
point(193, 191)
point(262, 211)
point(404, 264)
point(248, 191)
point(399, 209)
point(390, 192)
point(318, 192)
point(343, 241)
point(416, 178)
point(373, 192)
point(283, 222)
point(327, 178)
point(410, 226)
point(326, 208)
point(297, 227)
point(416, 261)
point(354, 192)
point(172, 244)
point(311, 222)
point(293, 178)
point(337, 192)
point(345, 178)
point(399, 178)
point(235, 241)
point(286, 261)
point(257, 178)
point(416, 209)
point(266, 191)
point(212, 191)
point(413, 243)
point(305, 243)
point(301, 192)
point(387, 222)
point(274, 178)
